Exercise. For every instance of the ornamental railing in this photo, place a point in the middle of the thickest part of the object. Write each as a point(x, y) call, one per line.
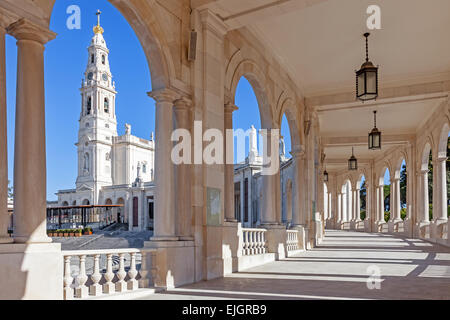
point(93, 273)
point(292, 240)
point(253, 242)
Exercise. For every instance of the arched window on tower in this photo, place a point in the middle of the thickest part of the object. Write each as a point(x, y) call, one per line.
point(92, 58)
point(106, 105)
point(86, 163)
point(103, 59)
point(89, 105)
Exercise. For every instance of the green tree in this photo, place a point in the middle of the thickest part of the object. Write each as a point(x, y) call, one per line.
point(403, 183)
point(387, 197)
point(363, 195)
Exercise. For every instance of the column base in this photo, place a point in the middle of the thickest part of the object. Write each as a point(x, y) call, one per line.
point(173, 263)
point(232, 238)
point(276, 237)
point(31, 271)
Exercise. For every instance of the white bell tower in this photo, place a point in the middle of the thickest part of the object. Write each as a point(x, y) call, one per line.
point(98, 124)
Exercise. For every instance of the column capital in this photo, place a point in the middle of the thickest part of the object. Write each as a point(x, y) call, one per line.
point(23, 29)
point(183, 103)
point(230, 107)
point(298, 153)
point(163, 95)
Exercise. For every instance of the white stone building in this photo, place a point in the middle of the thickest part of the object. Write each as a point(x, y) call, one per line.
point(112, 169)
point(248, 191)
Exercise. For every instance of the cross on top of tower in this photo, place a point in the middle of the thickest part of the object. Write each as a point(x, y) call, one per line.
point(98, 28)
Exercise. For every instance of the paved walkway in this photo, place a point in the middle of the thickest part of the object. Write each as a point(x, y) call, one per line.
point(337, 269)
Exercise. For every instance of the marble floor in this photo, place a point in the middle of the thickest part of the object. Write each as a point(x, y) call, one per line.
point(344, 266)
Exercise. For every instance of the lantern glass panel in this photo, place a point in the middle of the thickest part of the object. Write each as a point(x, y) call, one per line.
point(361, 82)
point(376, 140)
point(371, 77)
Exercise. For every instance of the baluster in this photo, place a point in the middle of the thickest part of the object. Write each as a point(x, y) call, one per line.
point(96, 289)
point(108, 287)
point(263, 241)
point(132, 273)
point(253, 242)
point(250, 242)
point(143, 272)
point(121, 285)
point(257, 244)
point(246, 251)
point(81, 290)
point(68, 291)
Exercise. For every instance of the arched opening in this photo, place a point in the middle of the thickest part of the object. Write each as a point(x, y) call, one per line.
point(386, 195)
point(443, 174)
point(65, 204)
point(403, 191)
point(362, 210)
point(247, 154)
point(86, 202)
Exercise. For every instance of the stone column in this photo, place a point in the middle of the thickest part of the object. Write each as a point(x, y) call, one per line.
point(229, 163)
point(340, 207)
point(425, 200)
point(269, 202)
point(330, 215)
point(381, 204)
point(4, 217)
point(30, 192)
point(298, 208)
point(358, 204)
point(183, 176)
point(395, 185)
point(354, 208)
point(164, 219)
point(441, 186)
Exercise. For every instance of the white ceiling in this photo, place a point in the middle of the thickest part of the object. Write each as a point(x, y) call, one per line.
point(320, 44)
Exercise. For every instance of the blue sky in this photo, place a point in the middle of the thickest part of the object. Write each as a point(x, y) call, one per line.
point(65, 63)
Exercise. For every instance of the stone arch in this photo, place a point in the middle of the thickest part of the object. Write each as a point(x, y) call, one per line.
point(65, 204)
point(382, 172)
point(398, 164)
point(286, 105)
point(108, 201)
point(443, 138)
point(251, 71)
point(85, 202)
point(143, 20)
point(427, 148)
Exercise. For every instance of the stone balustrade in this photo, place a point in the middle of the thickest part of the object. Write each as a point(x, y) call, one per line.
point(254, 241)
point(98, 272)
point(292, 240)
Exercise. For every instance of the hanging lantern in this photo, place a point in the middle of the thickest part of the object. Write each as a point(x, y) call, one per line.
point(375, 135)
point(352, 162)
point(325, 176)
point(367, 78)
